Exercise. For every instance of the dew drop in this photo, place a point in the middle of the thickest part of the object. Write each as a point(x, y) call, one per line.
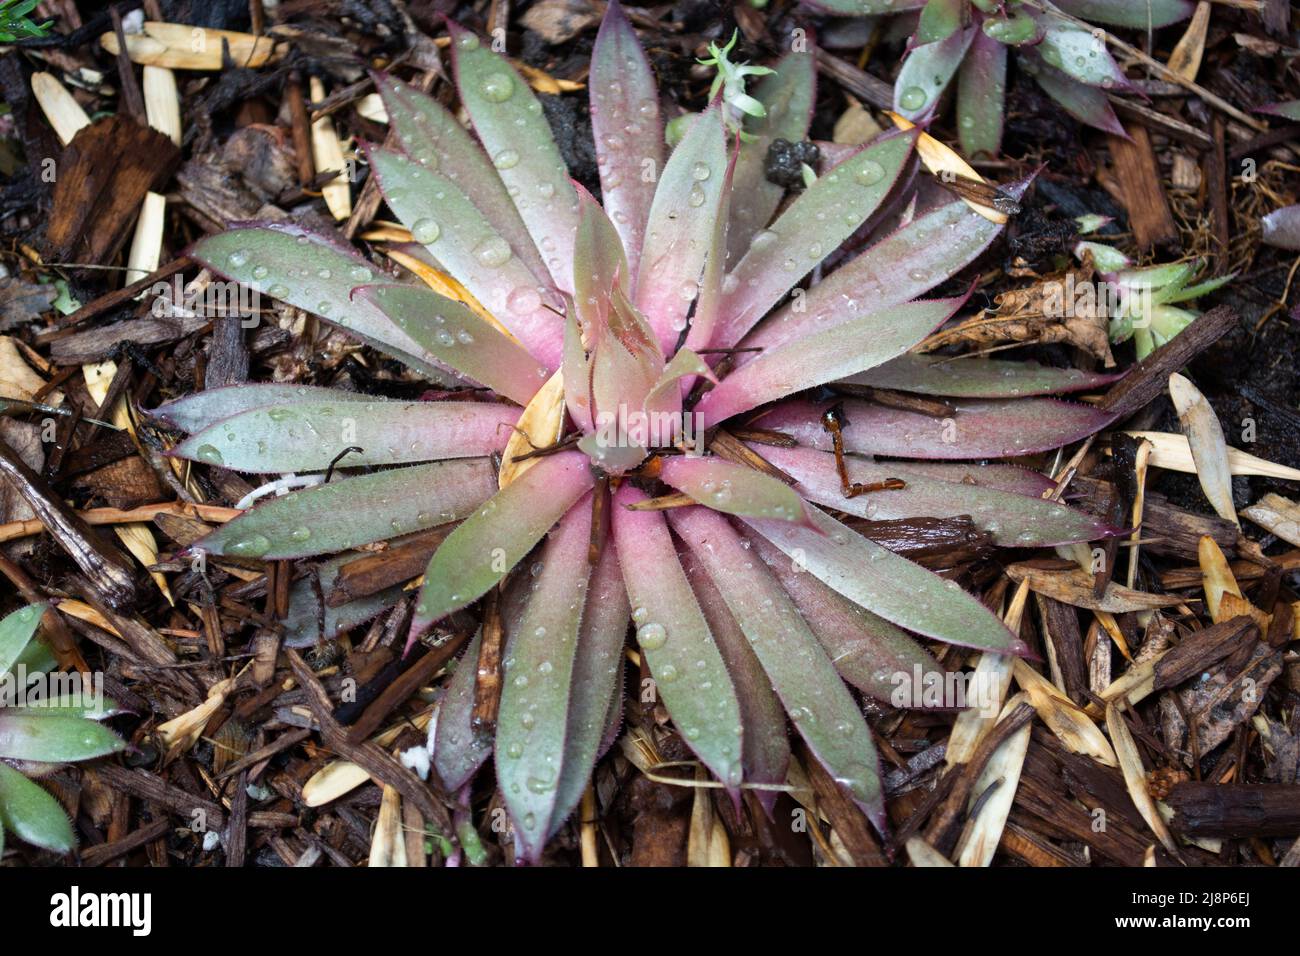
point(425, 231)
point(492, 252)
point(913, 98)
point(506, 159)
point(651, 636)
point(497, 87)
point(870, 173)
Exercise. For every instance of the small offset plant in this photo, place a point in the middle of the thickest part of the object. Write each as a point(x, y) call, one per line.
point(1147, 307)
point(38, 732)
point(967, 42)
point(16, 22)
point(658, 465)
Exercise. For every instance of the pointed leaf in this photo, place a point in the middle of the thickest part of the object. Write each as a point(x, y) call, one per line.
point(787, 96)
point(1148, 14)
point(311, 271)
point(680, 227)
point(33, 815)
point(766, 750)
point(736, 489)
point(981, 96)
point(1288, 110)
point(16, 632)
point(627, 128)
point(532, 725)
point(350, 512)
point(460, 748)
point(1015, 479)
point(894, 588)
point(905, 264)
point(675, 639)
point(824, 356)
point(1078, 54)
point(1014, 520)
point(459, 338)
point(512, 127)
point(597, 696)
point(310, 436)
point(926, 73)
point(433, 137)
point(977, 378)
point(198, 411)
point(446, 222)
point(811, 228)
point(802, 675)
point(54, 739)
point(306, 618)
point(977, 429)
point(482, 550)
point(867, 650)
point(1088, 104)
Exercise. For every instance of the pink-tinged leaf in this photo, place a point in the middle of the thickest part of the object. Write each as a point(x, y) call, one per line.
point(460, 748)
point(32, 815)
point(16, 632)
point(978, 378)
point(865, 8)
point(977, 429)
point(1148, 14)
point(199, 410)
point(811, 228)
point(444, 221)
point(708, 307)
point(307, 617)
point(736, 489)
point(310, 436)
point(486, 545)
point(48, 738)
point(1014, 520)
point(458, 337)
point(537, 681)
point(926, 73)
point(680, 228)
point(1012, 478)
point(927, 251)
point(981, 96)
point(1088, 104)
point(1288, 110)
point(675, 639)
point(627, 128)
point(311, 271)
point(596, 687)
point(766, 751)
point(867, 650)
point(1281, 228)
point(664, 398)
point(1077, 53)
point(433, 137)
point(901, 592)
point(824, 356)
point(787, 95)
point(512, 128)
point(803, 677)
point(349, 512)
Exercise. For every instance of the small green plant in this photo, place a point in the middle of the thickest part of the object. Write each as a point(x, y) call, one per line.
point(1147, 309)
point(967, 42)
point(676, 475)
point(41, 730)
point(15, 23)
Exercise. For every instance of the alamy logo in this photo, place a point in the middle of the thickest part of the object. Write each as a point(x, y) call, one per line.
point(74, 909)
point(19, 688)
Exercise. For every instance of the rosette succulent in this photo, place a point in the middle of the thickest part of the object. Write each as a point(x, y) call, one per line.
point(967, 41)
point(664, 468)
point(39, 730)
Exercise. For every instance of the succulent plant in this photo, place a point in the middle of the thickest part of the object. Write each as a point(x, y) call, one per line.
point(644, 480)
point(1146, 308)
point(39, 731)
point(967, 41)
